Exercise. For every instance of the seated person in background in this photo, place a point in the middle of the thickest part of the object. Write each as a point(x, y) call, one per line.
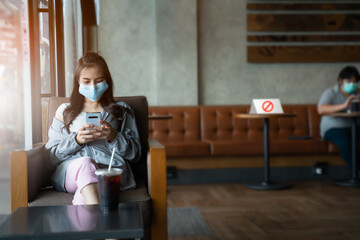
point(338, 99)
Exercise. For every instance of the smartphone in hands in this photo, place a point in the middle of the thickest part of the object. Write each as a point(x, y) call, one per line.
point(93, 118)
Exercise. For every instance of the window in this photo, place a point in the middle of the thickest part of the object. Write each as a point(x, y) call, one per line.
point(45, 76)
point(14, 77)
point(47, 61)
point(31, 62)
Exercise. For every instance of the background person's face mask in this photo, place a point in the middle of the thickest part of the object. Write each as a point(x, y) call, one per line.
point(350, 87)
point(93, 92)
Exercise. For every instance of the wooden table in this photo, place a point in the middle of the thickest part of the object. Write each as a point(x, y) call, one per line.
point(267, 184)
point(354, 181)
point(73, 222)
point(159, 117)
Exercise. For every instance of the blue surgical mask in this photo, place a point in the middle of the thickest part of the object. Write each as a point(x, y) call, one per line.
point(350, 87)
point(93, 92)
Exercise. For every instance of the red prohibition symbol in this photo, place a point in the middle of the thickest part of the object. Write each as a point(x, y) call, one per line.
point(267, 106)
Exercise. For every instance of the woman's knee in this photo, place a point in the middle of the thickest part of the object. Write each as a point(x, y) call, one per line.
point(86, 168)
point(77, 170)
point(87, 161)
point(86, 172)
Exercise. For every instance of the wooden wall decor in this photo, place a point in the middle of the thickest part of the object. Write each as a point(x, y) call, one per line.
point(301, 54)
point(297, 6)
point(321, 32)
point(303, 38)
point(302, 22)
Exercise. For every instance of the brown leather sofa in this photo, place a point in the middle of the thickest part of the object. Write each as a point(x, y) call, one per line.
point(196, 132)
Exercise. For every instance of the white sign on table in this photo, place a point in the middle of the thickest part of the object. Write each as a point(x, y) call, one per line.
point(266, 106)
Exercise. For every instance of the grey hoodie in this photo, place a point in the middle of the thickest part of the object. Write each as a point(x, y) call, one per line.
point(62, 148)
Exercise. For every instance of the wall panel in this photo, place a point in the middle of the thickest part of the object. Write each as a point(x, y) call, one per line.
point(325, 29)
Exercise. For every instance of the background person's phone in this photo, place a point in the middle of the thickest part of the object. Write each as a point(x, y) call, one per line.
point(93, 118)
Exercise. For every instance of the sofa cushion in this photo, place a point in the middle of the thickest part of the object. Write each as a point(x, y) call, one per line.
point(218, 123)
point(187, 149)
point(228, 135)
point(283, 128)
point(243, 147)
point(181, 134)
point(235, 147)
point(299, 147)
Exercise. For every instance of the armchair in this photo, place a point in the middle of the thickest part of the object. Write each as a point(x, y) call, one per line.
point(30, 177)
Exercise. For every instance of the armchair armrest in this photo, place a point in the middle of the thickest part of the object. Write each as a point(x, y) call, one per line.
point(157, 189)
point(28, 173)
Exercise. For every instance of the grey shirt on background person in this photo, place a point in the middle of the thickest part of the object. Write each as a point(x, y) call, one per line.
point(62, 148)
point(333, 96)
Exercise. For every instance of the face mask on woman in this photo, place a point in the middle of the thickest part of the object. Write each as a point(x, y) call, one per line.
point(93, 92)
point(350, 87)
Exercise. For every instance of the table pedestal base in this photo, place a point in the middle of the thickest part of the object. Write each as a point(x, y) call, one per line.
point(349, 183)
point(267, 186)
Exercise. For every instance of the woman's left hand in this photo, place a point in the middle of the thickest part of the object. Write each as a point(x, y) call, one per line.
point(106, 131)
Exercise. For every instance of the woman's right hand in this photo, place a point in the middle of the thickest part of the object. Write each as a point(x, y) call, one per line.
point(86, 135)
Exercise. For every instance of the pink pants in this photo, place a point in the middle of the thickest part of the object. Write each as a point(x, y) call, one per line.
point(80, 173)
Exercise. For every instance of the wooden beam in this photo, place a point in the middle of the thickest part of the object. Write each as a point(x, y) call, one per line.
point(303, 54)
point(303, 22)
point(301, 7)
point(303, 38)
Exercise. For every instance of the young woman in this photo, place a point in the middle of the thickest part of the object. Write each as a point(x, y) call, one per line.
point(77, 148)
point(339, 99)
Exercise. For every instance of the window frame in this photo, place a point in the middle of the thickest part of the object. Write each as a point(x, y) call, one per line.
point(56, 47)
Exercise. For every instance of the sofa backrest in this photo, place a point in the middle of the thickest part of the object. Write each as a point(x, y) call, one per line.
point(220, 123)
point(282, 128)
point(139, 105)
point(184, 125)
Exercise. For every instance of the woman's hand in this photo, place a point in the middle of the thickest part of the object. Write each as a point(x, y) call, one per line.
point(87, 133)
point(106, 131)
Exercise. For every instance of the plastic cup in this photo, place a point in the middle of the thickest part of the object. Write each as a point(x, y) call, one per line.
point(109, 188)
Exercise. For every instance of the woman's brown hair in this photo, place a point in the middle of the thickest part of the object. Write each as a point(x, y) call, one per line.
point(77, 100)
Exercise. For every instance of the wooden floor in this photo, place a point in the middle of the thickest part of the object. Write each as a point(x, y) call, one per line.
point(309, 210)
